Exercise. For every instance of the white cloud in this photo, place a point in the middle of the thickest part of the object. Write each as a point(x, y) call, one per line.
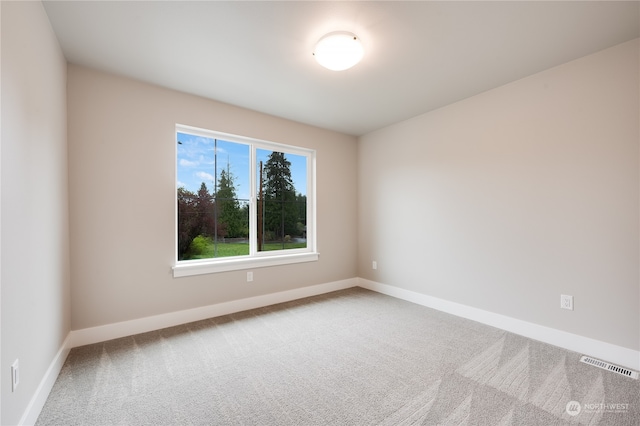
point(205, 176)
point(187, 163)
point(202, 140)
point(205, 160)
point(181, 184)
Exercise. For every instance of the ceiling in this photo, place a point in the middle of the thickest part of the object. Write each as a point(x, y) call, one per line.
point(419, 56)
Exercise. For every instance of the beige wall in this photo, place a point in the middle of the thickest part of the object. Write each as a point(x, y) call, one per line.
point(35, 254)
point(501, 201)
point(505, 200)
point(122, 192)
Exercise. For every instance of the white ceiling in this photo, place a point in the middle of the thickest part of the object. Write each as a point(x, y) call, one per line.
point(258, 55)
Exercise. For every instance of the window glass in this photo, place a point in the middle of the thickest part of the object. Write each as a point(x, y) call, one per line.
point(213, 198)
point(282, 200)
point(238, 198)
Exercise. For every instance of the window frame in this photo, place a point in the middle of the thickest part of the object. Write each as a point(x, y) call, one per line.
point(255, 259)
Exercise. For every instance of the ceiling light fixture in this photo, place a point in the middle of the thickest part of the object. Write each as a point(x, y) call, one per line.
point(339, 50)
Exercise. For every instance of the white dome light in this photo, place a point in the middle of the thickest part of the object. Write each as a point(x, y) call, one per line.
point(338, 51)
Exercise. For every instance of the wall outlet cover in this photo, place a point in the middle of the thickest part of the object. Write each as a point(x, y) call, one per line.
point(15, 375)
point(566, 302)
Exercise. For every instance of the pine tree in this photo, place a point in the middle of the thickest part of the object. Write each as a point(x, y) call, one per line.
point(204, 211)
point(280, 210)
point(229, 211)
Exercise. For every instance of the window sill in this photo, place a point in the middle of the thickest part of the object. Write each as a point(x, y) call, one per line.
point(196, 267)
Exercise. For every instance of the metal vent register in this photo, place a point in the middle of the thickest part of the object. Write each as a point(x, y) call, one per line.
point(610, 367)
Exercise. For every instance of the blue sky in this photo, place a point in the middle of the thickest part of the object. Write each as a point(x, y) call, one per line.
point(196, 164)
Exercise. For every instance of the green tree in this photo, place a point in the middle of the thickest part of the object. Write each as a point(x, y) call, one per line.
point(229, 212)
point(205, 211)
point(301, 205)
point(188, 222)
point(280, 209)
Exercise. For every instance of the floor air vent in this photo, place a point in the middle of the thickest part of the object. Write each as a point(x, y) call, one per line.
point(611, 367)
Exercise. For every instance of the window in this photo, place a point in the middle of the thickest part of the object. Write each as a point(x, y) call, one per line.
point(241, 203)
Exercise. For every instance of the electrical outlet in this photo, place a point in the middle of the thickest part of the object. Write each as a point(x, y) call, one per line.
point(249, 276)
point(374, 265)
point(566, 302)
point(15, 375)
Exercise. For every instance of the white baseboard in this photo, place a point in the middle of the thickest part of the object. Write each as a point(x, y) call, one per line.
point(127, 328)
point(142, 325)
point(573, 342)
point(595, 348)
point(41, 394)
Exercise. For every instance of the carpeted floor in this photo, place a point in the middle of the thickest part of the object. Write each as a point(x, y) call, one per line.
point(352, 357)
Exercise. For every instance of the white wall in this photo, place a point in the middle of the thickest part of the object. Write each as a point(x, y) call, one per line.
point(35, 254)
point(505, 200)
point(122, 197)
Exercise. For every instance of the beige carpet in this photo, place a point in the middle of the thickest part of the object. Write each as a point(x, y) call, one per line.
point(352, 357)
